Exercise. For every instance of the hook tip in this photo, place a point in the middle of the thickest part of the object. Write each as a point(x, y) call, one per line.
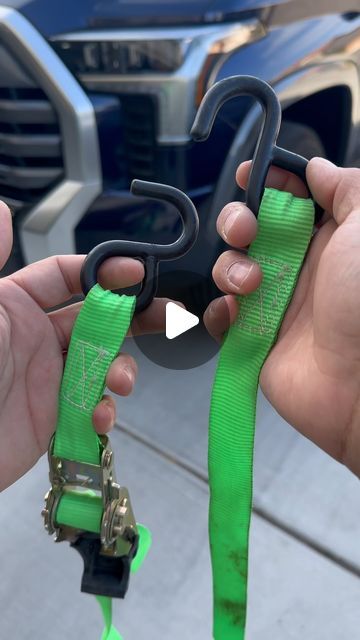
point(134, 186)
point(140, 187)
point(197, 134)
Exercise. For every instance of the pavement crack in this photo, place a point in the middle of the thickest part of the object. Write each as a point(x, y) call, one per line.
point(262, 513)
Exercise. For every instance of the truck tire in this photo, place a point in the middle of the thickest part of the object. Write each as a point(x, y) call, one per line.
point(300, 139)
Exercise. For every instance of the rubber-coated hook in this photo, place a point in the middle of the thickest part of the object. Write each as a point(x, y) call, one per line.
point(266, 152)
point(150, 254)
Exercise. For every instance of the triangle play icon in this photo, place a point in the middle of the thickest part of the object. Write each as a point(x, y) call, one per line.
point(178, 320)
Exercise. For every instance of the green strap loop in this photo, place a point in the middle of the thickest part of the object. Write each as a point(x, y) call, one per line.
point(284, 233)
point(97, 336)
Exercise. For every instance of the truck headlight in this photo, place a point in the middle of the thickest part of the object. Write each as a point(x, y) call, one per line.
point(125, 57)
point(174, 66)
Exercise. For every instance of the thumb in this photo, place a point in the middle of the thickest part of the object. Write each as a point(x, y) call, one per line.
point(6, 233)
point(336, 190)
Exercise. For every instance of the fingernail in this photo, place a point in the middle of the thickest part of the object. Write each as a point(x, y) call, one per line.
point(324, 161)
point(230, 221)
point(110, 420)
point(214, 307)
point(110, 411)
point(129, 373)
point(238, 272)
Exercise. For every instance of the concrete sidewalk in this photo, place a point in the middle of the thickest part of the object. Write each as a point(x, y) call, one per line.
point(305, 557)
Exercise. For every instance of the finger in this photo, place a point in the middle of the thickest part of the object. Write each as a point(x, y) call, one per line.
point(337, 190)
point(236, 273)
point(277, 179)
point(219, 315)
point(237, 225)
point(122, 374)
point(153, 319)
point(55, 280)
point(6, 233)
point(118, 273)
point(104, 415)
point(63, 322)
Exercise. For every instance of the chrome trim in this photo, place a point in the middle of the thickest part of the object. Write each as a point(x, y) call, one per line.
point(175, 92)
point(141, 33)
point(49, 227)
point(290, 89)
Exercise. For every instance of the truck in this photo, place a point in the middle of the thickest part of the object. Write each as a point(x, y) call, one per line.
point(96, 93)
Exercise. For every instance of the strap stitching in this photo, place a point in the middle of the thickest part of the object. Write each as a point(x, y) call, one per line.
point(81, 349)
point(256, 299)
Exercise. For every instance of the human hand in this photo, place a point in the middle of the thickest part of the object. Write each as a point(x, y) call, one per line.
point(312, 374)
point(33, 346)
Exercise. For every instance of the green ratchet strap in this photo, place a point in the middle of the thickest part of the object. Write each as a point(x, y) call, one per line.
point(73, 505)
point(284, 232)
point(96, 339)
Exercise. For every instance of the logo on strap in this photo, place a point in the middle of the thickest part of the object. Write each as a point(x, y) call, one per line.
point(80, 384)
point(256, 310)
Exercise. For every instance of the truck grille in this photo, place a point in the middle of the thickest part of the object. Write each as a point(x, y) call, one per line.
point(140, 135)
point(30, 146)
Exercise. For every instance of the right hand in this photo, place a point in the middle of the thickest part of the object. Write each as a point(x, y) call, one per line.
point(312, 374)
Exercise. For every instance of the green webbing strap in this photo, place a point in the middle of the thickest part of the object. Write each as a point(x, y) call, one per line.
point(284, 232)
point(109, 633)
point(106, 603)
point(96, 339)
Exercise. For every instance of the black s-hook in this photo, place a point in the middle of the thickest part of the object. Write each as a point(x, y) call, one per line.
point(150, 254)
point(266, 152)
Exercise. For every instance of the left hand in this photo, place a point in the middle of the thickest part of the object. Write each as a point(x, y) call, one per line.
point(33, 347)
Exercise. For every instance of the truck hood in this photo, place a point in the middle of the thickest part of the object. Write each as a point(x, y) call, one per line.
point(55, 17)
point(62, 16)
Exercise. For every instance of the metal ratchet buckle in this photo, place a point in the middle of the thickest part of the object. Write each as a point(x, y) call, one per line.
point(107, 558)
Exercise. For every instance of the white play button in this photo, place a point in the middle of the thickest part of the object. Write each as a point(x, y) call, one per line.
point(178, 320)
point(184, 343)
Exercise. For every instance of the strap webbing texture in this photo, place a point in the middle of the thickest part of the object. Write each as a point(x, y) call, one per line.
point(285, 228)
point(97, 336)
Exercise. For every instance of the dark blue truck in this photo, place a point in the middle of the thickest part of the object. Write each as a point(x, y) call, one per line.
point(94, 93)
